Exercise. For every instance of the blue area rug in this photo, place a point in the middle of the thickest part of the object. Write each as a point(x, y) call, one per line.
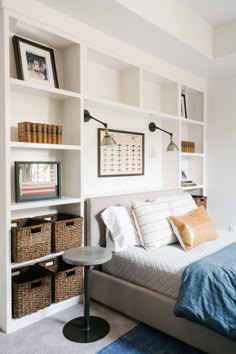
point(146, 340)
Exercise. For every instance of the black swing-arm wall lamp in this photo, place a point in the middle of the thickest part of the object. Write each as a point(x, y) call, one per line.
point(108, 140)
point(172, 146)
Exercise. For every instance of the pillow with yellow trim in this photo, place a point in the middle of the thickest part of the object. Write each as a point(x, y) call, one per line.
point(193, 229)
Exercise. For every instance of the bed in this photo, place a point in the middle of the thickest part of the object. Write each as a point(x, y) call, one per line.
point(150, 303)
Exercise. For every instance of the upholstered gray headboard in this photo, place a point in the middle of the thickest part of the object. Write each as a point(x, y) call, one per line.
point(94, 226)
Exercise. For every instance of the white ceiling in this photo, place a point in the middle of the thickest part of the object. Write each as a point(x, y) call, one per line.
point(215, 12)
point(112, 18)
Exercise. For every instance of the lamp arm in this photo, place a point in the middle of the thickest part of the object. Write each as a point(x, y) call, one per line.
point(153, 127)
point(165, 131)
point(99, 121)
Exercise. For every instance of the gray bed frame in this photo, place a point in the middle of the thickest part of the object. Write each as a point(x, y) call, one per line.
point(138, 302)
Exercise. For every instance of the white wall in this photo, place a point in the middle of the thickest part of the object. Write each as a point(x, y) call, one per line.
point(221, 152)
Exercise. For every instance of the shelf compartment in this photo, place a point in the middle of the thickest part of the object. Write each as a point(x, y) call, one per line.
point(112, 79)
point(193, 166)
point(193, 133)
point(50, 111)
point(66, 52)
point(70, 170)
point(194, 104)
point(159, 94)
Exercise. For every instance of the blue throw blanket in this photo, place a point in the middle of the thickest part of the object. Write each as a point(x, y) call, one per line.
point(208, 292)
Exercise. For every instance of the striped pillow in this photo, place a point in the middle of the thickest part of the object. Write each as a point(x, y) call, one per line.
point(152, 223)
point(181, 204)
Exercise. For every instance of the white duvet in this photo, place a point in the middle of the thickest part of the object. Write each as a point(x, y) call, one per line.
point(161, 269)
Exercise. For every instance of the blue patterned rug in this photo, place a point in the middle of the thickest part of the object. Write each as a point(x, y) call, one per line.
point(145, 340)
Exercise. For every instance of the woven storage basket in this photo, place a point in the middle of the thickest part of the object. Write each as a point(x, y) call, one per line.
point(66, 230)
point(31, 291)
point(30, 239)
point(67, 280)
point(200, 200)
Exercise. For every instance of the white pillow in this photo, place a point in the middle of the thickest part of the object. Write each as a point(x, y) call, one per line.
point(121, 232)
point(151, 220)
point(181, 204)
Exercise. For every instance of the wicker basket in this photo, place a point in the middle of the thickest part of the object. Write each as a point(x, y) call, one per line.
point(31, 290)
point(66, 230)
point(200, 200)
point(30, 238)
point(67, 280)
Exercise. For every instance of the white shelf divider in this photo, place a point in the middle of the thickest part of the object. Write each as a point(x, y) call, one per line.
point(193, 187)
point(191, 154)
point(37, 260)
point(42, 91)
point(22, 145)
point(45, 203)
point(97, 102)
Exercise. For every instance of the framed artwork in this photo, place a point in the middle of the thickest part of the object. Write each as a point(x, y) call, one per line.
point(37, 180)
point(184, 112)
point(126, 159)
point(34, 62)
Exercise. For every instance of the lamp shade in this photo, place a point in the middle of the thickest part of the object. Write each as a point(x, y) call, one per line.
point(108, 140)
point(172, 146)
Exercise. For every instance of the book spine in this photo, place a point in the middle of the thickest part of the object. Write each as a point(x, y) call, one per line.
point(44, 133)
point(59, 134)
point(24, 132)
point(49, 130)
point(54, 134)
point(33, 133)
point(39, 127)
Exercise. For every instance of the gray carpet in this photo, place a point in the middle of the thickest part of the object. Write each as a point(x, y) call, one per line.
point(45, 337)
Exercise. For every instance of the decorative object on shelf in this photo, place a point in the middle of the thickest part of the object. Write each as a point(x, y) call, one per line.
point(125, 159)
point(184, 112)
point(187, 146)
point(66, 230)
point(172, 146)
point(39, 133)
point(186, 182)
point(200, 200)
point(67, 280)
point(35, 62)
point(31, 289)
point(37, 180)
point(108, 140)
point(30, 239)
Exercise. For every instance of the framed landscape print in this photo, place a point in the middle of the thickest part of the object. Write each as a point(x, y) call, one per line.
point(34, 62)
point(37, 180)
point(126, 159)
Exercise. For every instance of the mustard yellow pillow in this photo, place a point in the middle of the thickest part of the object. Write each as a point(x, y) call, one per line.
point(194, 228)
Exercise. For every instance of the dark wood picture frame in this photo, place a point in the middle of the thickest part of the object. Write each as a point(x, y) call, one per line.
point(184, 112)
point(124, 160)
point(30, 190)
point(45, 69)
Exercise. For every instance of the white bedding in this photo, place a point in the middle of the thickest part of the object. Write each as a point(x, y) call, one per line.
point(161, 269)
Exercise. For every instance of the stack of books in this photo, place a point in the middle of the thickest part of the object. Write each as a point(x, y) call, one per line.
point(188, 183)
point(29, 132)
point(187, 146)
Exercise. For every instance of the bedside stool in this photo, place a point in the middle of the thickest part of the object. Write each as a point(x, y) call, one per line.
point(86, 329)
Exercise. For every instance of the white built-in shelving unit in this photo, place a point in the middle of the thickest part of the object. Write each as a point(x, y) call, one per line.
point(88, 78)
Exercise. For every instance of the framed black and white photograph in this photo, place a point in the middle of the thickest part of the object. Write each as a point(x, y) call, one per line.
point(37, 180)
point(184, 112)
point(35, 62)
point(125, 159)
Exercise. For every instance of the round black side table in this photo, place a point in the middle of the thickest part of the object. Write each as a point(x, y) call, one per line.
point(86, 329)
